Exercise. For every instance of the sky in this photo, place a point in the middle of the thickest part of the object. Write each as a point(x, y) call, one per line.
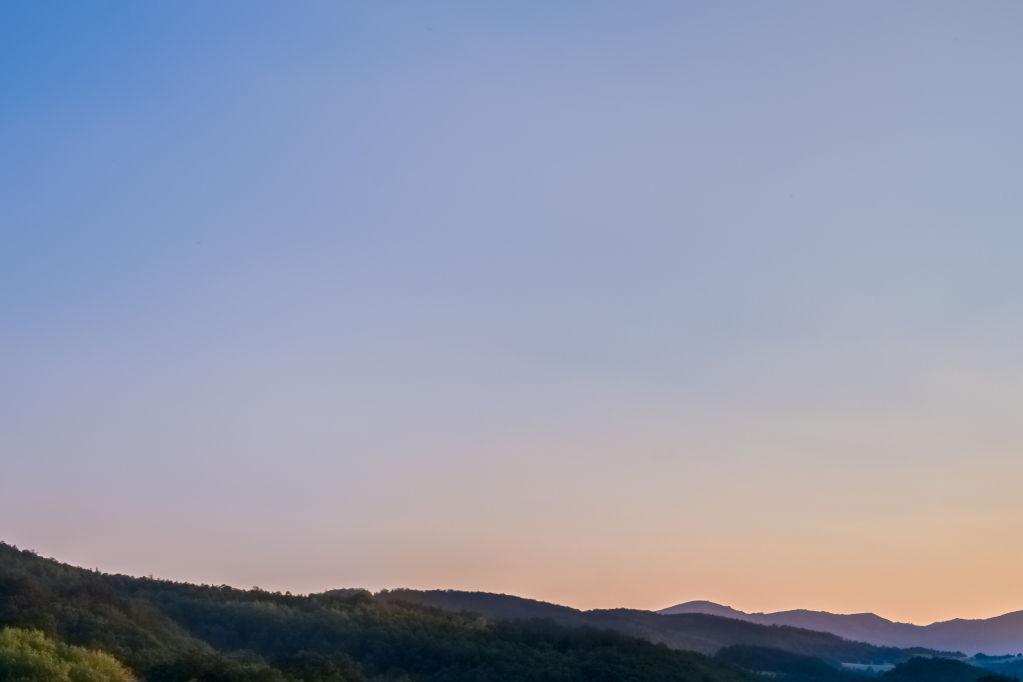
point(605, 304)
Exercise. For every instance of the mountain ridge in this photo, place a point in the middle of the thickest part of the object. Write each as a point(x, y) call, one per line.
point(164, 631)
point(998, 635)
point(706, 633)
point(151, 630)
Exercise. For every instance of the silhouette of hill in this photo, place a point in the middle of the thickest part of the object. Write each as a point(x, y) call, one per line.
point(116, 627)
point(694, 631)
point(54, 616)
point(1002, 634)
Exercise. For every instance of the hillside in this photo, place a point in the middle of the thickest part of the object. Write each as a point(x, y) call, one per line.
point(177, 632)
point(695, 631)
point(999, 635)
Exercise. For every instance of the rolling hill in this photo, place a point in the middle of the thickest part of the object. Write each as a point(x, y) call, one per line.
point(705, 633)
point(53, 615)
point(117, 628)
point(999, 635)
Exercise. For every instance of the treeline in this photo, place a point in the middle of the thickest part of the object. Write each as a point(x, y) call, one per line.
point(693, 631)
point(175, 632)
point(30, 656)
point(59, 623)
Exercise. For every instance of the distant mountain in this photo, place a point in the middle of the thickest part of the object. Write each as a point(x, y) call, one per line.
point(999, 635)
point(693, 631)
point(113, 627)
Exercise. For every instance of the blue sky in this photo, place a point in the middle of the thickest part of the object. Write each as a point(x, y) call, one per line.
point(607, 304)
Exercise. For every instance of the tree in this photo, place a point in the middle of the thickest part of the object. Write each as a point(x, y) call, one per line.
point(31, 656)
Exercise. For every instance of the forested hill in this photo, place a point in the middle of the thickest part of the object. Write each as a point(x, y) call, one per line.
point(53, 616)
point(691, 631)
point(59, 623)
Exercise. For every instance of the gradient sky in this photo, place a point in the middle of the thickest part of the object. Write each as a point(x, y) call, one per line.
point(607, 304)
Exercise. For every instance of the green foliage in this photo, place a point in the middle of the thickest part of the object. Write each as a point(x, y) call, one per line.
point(215, 668)
point(173, 632)
point(178, 632)
point(31, 656)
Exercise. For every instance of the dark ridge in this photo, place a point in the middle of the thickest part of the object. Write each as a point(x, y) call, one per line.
point(179, 632)
point(766, 660)
point(1003, 633)
point(940, 670)
point(689, 631)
